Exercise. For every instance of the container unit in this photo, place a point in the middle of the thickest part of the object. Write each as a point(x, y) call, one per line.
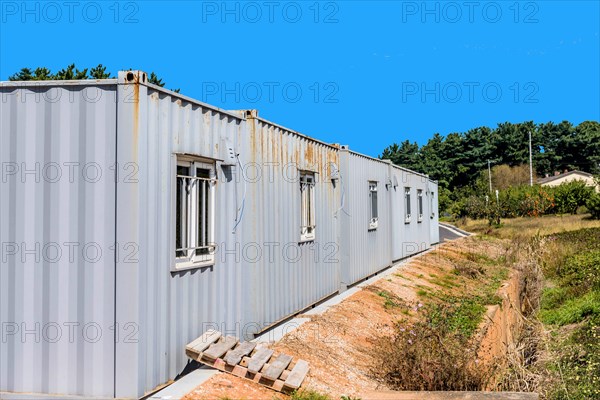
point(182, 198)
point(434, 221)
point(290, 218)
point(57, 229)
point(411, 227)
point(132, 219)
point(95, 300)
point(365, 218)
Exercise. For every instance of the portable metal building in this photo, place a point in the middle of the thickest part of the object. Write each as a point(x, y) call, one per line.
point(57, 229)
point(95, 303)
point(133, 218)
point(365, 234)
point(434, 216)
point(293, 271)
point(403, 224)
point(411, 220)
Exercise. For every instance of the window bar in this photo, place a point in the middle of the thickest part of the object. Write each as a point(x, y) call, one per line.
point(183, 213)
point(190, 226)
point(210, 216)
point(303, 207)
point(200, 215)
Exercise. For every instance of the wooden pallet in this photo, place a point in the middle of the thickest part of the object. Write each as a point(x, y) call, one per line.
point(279, 372)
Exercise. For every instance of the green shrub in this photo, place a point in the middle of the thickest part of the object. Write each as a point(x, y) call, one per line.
point(472, 206)
point(309, 395)
point(593, 205)
point(553, 297)
point(582, 272)
point(526, 201)
point(570, 196)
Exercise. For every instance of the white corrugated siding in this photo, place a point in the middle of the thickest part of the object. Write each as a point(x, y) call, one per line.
point(157, 311)
point(57, 300)
point(434, 214)
point(414, 236)
point(365, 251)
point(171, 308)
point(298, 274)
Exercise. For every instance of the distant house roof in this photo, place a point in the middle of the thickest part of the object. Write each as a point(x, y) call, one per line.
point(559, 176)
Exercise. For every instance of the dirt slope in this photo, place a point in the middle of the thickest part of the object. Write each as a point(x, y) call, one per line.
point(337, 343)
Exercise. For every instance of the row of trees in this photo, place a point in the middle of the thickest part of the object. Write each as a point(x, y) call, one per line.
point(71, 72)
point(458, 159)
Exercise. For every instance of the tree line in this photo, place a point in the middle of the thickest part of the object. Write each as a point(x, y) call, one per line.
point(458, 160)
point(71, 72)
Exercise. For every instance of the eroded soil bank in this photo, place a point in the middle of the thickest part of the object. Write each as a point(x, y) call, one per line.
point(339, 343)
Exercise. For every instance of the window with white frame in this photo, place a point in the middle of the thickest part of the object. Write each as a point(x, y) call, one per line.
point(194, 213)
point(307, 206)
point(373, 213)
point(420, 204)
point(407, 208)
point(432, 201)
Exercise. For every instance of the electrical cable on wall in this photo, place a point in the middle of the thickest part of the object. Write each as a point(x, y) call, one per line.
point(343, 199)
point(240, 210)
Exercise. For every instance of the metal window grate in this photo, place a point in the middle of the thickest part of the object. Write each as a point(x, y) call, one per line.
point(194, 212)
point(307, 206)
point(374, 215)
point(407, 205)
point(420, 204)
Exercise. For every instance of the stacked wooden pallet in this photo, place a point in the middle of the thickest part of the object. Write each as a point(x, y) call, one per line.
point(262, 365)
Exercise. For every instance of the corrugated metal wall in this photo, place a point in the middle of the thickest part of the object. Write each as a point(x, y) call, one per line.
point(365, 251)
point(294, 275)
point(57, 228)
point(414, 235)
point(261, 274)
point(171, 308)
point(145, 312)
point(434, 214)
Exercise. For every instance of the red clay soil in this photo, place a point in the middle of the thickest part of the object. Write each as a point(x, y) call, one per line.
point(337, 344)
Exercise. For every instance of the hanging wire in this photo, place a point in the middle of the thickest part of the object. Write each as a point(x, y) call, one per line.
point(343, 199)
point(240, 210)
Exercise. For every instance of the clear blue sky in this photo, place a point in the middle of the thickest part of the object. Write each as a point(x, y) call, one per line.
point(360, 73)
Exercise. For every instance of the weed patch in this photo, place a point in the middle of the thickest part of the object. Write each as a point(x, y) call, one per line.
point(572, 311)
point(390, 299)
point(430, 354)
point(309, 395)
point(569, 309)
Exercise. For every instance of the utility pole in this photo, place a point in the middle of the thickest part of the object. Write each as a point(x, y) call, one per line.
point(530, 162)
point(490, 175)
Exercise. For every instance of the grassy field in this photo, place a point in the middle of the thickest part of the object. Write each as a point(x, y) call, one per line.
point(562, 342)
point(529, 227)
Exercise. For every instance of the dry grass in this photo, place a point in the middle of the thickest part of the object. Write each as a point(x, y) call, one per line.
point(427, 355)
point(555, 258)
point(519, 376)
point(528, 227)
point(436, 347)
